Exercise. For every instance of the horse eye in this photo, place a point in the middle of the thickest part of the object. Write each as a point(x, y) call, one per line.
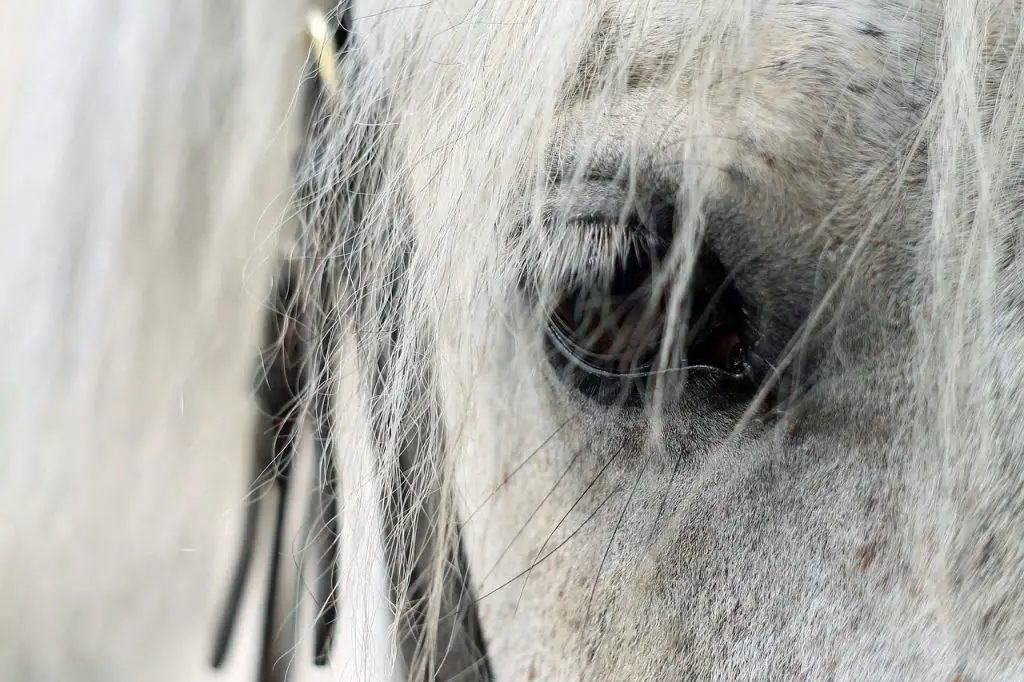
point(728, 352)
point(617, 331)
point(607, 333)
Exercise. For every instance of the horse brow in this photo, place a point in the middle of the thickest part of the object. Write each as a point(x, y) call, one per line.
point(602, 57)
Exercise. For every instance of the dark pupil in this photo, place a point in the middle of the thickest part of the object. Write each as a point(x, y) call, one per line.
point(618, 333)
point(620, 328)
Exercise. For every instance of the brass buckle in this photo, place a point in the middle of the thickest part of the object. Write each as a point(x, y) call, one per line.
point(321, 41)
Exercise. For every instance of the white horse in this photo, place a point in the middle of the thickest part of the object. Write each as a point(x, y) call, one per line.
point(595, 340)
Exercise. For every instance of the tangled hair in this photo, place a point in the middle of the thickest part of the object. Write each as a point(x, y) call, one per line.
point(161, 163)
